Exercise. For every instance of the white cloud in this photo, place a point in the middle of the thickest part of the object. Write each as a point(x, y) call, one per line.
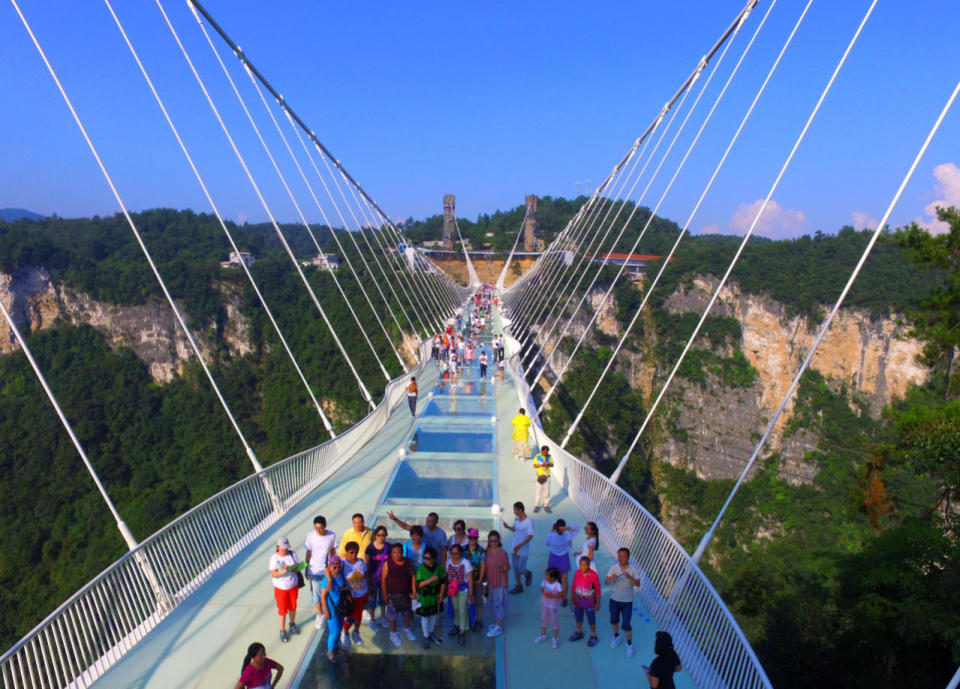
point(947, 193)
point(776, 221)
point(863, 221)
point(711, 229)
point(241, 219)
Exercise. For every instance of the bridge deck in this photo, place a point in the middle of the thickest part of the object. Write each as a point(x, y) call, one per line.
point(203, 642)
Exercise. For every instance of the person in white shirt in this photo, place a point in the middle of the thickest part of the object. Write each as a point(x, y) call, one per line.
point(285, 588)
point(522, 535)
point(624, 577)
point(320, 543)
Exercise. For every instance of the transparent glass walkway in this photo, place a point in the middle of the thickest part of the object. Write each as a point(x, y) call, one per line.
point(453, 459)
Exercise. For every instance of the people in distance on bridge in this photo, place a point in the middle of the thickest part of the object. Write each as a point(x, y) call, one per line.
point(398, 586)
point(552, 590)
point(433, 535)
point(521, 435)
point(468, 355)
point(374, 557)
point(476, 555)
point(586, 600)
point(430, 586)
point(497, 573)
point(522, 535)
point(665, 665)
point(624, 577)
point(257, 670)
point(285, 586)
point(334, 593)
point(355, 572)
point(483, 364)
point(414, 549)
point(359, 533)
point(459, 575)
point(412, 392)
point(558, 545)
point(542, 463)
point(500, 367)
point(319, 544)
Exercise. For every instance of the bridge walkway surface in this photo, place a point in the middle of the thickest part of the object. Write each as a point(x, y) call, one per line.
point(202, 643)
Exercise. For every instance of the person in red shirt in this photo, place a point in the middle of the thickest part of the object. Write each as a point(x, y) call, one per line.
point(586, 600)
point(257, 669)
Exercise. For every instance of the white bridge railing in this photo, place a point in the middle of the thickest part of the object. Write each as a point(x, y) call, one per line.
point(680, 599)
point(100, 623)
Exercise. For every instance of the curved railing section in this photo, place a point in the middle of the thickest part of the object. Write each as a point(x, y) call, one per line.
point(100, 623)
point(680, 599)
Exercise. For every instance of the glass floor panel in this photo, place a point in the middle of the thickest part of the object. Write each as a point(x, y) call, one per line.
point(391, 670)
point(465, 387)
point(460, 441)
point(465, 482)
point(455, 406)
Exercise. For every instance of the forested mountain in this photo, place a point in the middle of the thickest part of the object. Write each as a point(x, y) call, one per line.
point(838, 558)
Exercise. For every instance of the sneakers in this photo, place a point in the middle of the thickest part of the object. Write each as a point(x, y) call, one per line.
point(517, 589)
point(283, 636)
point(554, 642)
point(576, 636)
point(547, 509)
point(529, 577)
point(536, 509)
point(409, 634)
point(356, 637)
point(318, 621)
point(455, 631)
point(294, 629)
point(540, 639)
point(331, 656)
point(495, 630)
point(395, 638)
point(629, 650)
point(375, 625)
point(344, 640)
point(383, 621)
point(435, 639)
point(616, 641)
point(592, 641)
point(366, 616)
point(475, 627)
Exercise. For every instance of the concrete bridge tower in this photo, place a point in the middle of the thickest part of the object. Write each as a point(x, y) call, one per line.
point(449, 228)
point(530, 241)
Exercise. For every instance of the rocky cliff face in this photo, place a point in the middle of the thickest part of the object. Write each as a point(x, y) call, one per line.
point(712, 429)
point(37, 301)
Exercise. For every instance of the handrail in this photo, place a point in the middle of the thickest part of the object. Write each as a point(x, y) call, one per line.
point(680, 598)
point(86, 635)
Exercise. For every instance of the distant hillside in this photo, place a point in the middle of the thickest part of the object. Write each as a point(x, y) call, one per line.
point(11, 214)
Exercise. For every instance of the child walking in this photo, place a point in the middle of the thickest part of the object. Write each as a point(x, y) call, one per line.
point(551, 593)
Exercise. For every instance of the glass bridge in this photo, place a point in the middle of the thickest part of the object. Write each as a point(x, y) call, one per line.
point(181, 611)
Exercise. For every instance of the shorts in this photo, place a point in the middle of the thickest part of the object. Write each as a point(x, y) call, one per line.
point(521, 448)
point(621, 610)
point(375, 596)
point(358, 606)
point(518, 563)
point(315, 587)
point(561, 562)
point(286, 599)
point(399, 605)
point(591, 615)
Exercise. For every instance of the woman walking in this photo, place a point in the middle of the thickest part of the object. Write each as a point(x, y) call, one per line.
point(285, 586)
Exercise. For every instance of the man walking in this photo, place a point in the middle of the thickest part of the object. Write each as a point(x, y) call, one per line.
point(543, 462)
point(412, 392)
point(522, 535)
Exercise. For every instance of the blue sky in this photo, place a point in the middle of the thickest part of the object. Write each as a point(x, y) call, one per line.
point(489, 101)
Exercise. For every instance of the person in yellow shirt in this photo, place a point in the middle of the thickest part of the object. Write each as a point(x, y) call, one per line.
point(359, 534)
point(521, 435)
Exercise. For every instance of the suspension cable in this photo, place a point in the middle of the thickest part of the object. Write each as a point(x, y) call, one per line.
point(216, 211)
point(829, 320)
point(616, 474)
point(263, 202)
point(649, 290)
point(143, 247)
